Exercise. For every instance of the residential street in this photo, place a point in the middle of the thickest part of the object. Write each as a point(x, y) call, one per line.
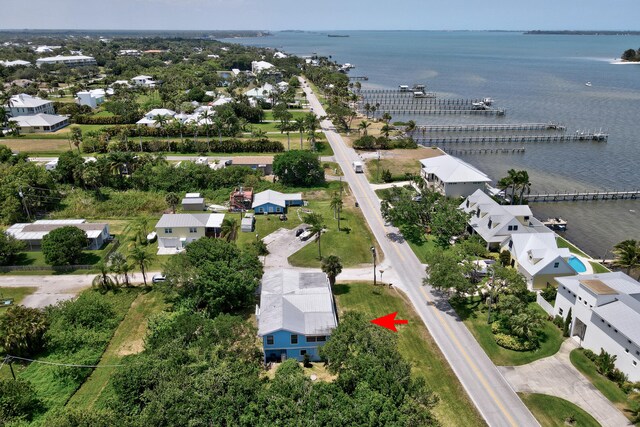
point(495, 399)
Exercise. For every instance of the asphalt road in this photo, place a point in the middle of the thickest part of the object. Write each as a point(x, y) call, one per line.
point(496, 401)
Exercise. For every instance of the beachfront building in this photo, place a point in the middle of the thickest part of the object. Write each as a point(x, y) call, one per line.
point(40, 123)
point(270, 201)
point(451, 176)
point(259, 66)
point(175, 231)
point(27, 105)
point(538, 258)
point(69, 61)
point(495, 223)
point(149, 119)
point(605, 313)
point(91, 98)
point(145, 81)
point(296, 314)
point(33, 233)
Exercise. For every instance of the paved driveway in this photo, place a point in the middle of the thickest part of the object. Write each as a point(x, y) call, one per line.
point(556, 376)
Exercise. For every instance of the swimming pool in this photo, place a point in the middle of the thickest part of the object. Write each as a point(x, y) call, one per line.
point(577, 265)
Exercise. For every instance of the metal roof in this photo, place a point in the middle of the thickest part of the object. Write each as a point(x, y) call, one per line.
point(27, 101)
point(193, 201)
point(274, 197)
point(451, 169)
point(294, 301)
point(190, 220)
point(39, 120)
point(39, 229)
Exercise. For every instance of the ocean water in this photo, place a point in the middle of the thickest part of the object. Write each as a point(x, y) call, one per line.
point(536, 78)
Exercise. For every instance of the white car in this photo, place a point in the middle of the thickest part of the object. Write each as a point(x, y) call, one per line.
point(157, 278)
point(306, 235)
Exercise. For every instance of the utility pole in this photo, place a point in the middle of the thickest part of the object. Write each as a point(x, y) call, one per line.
point(11, 367)
point(24, 202)
point(373, 253)
point(491, 295)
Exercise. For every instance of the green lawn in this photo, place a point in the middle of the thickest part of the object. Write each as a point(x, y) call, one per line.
point(18, 294)
point(127, 339)
point(474, 316)
point(552, 411)
point(563, 243)
point(417, 346)
point(607, 387)
point(598, 268)
point(268, 114)
point(352, 243)
point(36, 258)
point(423, 249)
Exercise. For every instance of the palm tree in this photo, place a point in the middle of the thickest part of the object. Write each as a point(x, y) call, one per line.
point(386, 130)
point(367, 109)
point(627, 255)
point(312, 122)
point(336, 205)
point(523, 183)
point(411, 125)
point(142, 259)
point(300, 126)
point(172, 200)
point(315, 220)
point(140, 228)
point(363, 126)
point(386, 117)
point(120, 266)
point(4, 116)
point(180, 126)
point(218, 123)
point(229, 229)
point(332, 266)
point(161, 122)
point(14, 128)
point(358, 86)
point(103, 281)
point(205, 118)
point(285, 127)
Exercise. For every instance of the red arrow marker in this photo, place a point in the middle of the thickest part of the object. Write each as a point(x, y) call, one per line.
point(389, 321)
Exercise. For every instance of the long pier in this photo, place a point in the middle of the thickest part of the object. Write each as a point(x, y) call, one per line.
point(431, 111)
point(489, 128)
point(583, 196)
point(456, 151)
point(358, 78)
point(582, 136)
point(419, 101)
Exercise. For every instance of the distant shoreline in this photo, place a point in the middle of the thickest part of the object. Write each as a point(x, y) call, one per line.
point(583, 33)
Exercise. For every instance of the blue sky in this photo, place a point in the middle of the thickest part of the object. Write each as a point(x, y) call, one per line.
point(321, 15)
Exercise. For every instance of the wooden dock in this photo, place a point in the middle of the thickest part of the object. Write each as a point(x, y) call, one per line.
point(358, 78)
point(456, 151)
point(432, 111)
point(580, 136)
point(514, 127)
point(426, 100)
point(583, 196)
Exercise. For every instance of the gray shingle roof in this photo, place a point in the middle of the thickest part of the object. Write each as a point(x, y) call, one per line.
point(294, 301)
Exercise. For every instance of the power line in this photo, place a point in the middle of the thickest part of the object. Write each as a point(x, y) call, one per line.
point(71, 365)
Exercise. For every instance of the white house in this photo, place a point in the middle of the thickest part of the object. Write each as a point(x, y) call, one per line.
point(605, 313)
point(15, 63)
point(261, 92)
point(270, 201)
point(175, 231)
point(538, 258)
point(40, 123)
point(32, 233)
point(129, 52)
point(46, 49)
point(92, 98)
point(452, 177)
point(259, 66)
point(27, 105)
point(70, 61)
point(143, 80)
point(495, 223)
point(149, 119)
point(280, 55)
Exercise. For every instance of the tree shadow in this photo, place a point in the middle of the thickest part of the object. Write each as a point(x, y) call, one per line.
point(23, 259)
point(341, 289)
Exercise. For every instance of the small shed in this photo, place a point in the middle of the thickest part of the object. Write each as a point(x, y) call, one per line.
point(193, 202)
point(247, 225)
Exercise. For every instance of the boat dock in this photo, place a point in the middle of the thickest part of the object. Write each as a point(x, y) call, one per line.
point(456, 151)
point(582, 196)
point(433, 111)
point(358, 78)
point(488, 128)
point(579, 136)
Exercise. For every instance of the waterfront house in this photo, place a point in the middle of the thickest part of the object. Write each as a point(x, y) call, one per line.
point(33, 233)
point(175, 231)
point(451, 176)
point(296, 314)
point(259, 66)
point(149, 119)
point(538, 258)
point(495, 223)
point(142, 80)
point(40, 123)
point(262, 92)
point(69, 61)
point(605, 314)
point(27, 105)
point(91, 98)
point(270, 201)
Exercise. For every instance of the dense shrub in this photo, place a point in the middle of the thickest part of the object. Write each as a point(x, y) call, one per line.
point(558, 321)
point(64, 245)
point(549, 294)
point(512, 343)
point(369, 142)
point(590, 354)
point(18, 401)
point(22, 330)
point(86, 119)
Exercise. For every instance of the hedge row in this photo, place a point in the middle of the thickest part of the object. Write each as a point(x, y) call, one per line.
point(369, 142)
point(84, 119)
point(187, 147)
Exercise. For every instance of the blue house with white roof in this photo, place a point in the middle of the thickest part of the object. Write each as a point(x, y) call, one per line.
point(296, 314)
point(270, 201)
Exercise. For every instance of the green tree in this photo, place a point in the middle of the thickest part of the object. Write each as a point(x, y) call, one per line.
point(64, 245)
point(75, 137)
point(69, 167)
point(363, 127)
point(444, 271)
point(385, 130)
point(120, 267)
point(172, 200)
point(19, 402)
point(627, 255)
point(299, 125)
point(10, 247)
point(298, 168)
point(229, 229)
point(505, 257)
point(22, 330)
point(605, 363)
point(336, 205)
point(332, 266)
point(316, 222)
point(447, 221)
point(102, 281)
point(142, 259)
point(566, 330)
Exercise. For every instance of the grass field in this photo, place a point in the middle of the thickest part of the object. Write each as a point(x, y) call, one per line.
point(127, 339)
point(18, 294)
point(598, 268)
point(563, 243)
point(417, 346)
point(397, 167)
point(474, 316)
point(607, 387)
point(552, 411)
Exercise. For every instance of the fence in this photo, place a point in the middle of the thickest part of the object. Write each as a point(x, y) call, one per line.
point(115, 243)
point(546, 306)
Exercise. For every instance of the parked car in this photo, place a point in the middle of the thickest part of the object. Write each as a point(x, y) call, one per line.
point(299, 231)
point(306, 235)
point(157, 278)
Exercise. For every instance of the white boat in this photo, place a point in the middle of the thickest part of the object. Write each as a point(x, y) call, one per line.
point(588, 84)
